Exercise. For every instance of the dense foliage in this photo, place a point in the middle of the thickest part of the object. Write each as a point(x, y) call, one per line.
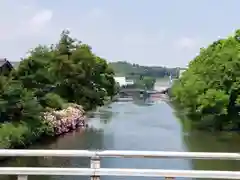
point(48, 78)
point(127, 69)
point(209, 90)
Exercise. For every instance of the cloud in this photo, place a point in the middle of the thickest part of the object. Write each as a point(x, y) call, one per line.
point(23, 19)
point(186, 43)
point(40, 20)
point(112, 31)
point(96, 13)
point(140, 38)
point(23, 26)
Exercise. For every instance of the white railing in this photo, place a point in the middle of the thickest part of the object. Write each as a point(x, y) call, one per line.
point(95, 171)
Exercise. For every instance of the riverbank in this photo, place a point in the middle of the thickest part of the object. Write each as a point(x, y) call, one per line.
point(19, 135)
point(34, 96)
point(131, 126)
point(58, 122)
point(208, 91)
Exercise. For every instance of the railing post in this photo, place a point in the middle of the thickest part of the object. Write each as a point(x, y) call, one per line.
point(169, 178)
point(22, 177)
point(95, 164)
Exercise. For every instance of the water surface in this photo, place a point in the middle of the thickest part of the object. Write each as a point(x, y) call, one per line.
point(135, 125)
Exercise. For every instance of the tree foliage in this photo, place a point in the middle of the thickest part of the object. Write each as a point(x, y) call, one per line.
point(145, 83)
point(50, 76)
point(69, 69)
point(210, 88)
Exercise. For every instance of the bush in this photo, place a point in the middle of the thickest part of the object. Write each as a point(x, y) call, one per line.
point(18, 103)
point(52, 100)
point(14, 135)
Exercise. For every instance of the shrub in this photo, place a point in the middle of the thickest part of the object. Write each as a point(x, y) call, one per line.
point(14, 135)
point(52, 100)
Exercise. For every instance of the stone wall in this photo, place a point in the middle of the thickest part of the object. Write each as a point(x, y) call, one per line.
point(66, 120)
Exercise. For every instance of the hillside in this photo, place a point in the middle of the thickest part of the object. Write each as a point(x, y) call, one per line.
point(125, 69)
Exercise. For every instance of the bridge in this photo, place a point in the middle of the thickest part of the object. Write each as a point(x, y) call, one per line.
point(137, 91)
point(158, 88)
point(162, 88)
point(95, 171)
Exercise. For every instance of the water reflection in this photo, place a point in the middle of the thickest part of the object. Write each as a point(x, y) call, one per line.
point(213, 142)
point(148, 100)
point(203, 141)
point(104, 114)
point(90, 139)
point(139, 124)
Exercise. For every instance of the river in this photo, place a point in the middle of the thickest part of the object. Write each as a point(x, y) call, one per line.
point(134, 125)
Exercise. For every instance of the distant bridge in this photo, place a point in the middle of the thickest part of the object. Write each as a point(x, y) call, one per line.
point(158, 89)
point(162, 88)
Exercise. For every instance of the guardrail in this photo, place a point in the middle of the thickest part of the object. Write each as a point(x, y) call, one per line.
point(95, 171)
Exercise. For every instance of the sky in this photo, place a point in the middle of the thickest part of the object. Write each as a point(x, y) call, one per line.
point(148, 32)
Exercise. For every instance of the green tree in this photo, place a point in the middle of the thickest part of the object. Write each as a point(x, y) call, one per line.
point(149, 82)
point(67, 72)
point(34, 71)
point(210, 86)
point(69, 69)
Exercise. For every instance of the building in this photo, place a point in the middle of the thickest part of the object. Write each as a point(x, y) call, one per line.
point(122, 81)
point(5, 66)
point(181, 71)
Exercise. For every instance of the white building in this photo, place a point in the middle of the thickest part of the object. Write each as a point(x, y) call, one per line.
point(181, 71)
point(123, 81)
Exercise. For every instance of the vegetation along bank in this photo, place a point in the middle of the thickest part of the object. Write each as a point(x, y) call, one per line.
point(209, 90)
point(50, 90)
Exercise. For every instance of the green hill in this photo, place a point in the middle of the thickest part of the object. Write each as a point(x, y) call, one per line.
point(123, 68)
